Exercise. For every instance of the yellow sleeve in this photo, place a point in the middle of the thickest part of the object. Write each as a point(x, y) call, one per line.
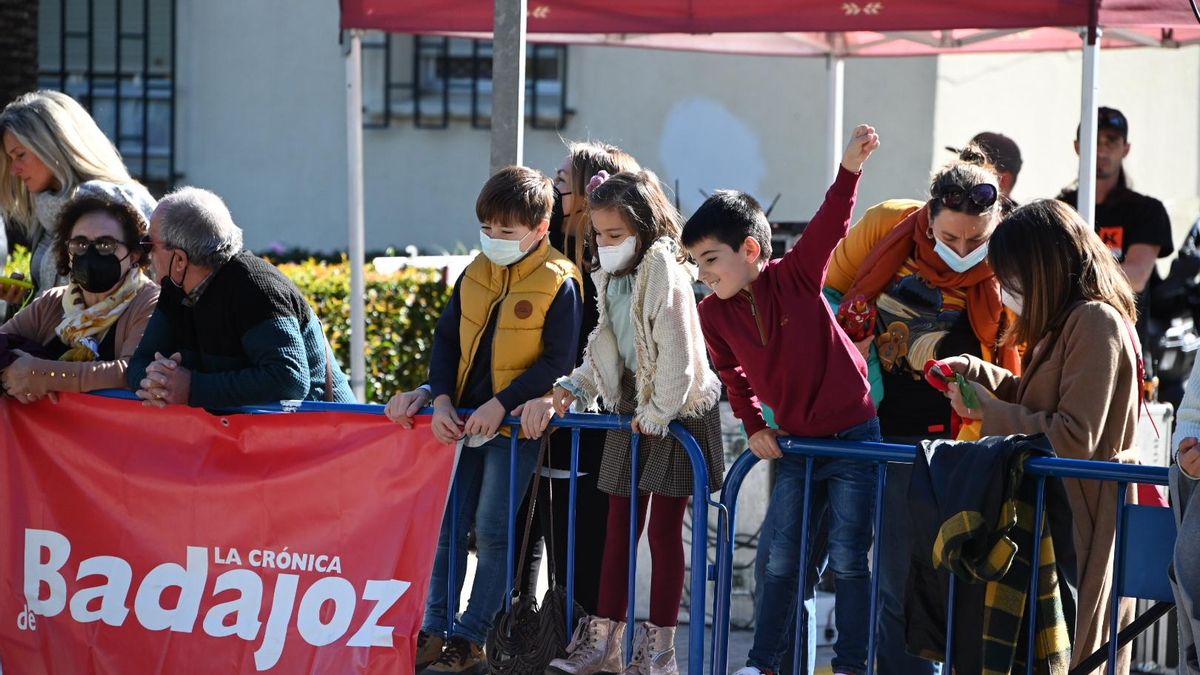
point(875, 224)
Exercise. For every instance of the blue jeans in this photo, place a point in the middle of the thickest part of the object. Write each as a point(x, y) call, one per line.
point(481, 488)
point(895, 551)
point(844, 493)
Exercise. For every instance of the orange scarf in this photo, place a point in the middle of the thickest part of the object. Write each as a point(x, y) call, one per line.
point(910, 240)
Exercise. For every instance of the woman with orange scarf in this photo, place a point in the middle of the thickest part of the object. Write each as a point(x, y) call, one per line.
point(914, 285)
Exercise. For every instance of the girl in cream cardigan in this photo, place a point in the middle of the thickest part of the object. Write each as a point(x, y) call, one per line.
point(646, 358)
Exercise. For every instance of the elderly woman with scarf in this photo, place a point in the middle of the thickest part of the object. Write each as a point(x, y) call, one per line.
point(79, 337)
point(914, 284)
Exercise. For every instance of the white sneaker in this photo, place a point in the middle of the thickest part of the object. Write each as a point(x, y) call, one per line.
point(749, 670)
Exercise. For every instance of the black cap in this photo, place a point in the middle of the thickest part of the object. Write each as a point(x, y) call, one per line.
point(1110, 118)
point(1001, 150)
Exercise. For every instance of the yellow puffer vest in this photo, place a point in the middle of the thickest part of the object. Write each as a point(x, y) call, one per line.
point(523, 292)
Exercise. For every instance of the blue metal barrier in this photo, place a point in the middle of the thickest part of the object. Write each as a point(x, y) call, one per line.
point(700, 503)
point(882, 454)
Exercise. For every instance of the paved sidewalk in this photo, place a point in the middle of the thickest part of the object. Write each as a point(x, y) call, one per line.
point(739, 646)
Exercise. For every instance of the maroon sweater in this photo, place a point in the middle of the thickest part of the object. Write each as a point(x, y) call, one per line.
point(777, 342)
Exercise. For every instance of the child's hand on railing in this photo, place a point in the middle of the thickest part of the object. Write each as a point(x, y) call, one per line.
point(562, 400)
point(486, 419)
point(535, 416)
point(446, 425)
point(764, 444)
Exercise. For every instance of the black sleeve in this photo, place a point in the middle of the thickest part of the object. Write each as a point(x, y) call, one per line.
point(443, 364)
point(1153, 227)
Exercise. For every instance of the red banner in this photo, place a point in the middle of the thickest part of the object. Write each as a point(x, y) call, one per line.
point(175, 541)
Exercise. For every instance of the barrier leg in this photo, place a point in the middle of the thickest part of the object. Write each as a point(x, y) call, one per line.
point(949, 664)
point(1118, 566)
point(801, 655)
point(512, 511)
point(873, 615)
point(571, 531)
point(630, 613)
point(452, 599)
point(1039, 512)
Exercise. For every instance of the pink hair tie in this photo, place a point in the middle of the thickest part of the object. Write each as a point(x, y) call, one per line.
point(596, 181)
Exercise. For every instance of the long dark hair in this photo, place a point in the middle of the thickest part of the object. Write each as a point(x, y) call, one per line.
point(640, 200)
point(1049, 255)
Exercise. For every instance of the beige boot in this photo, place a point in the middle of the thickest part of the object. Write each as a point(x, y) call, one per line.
point(653, 651)
point(595, 648)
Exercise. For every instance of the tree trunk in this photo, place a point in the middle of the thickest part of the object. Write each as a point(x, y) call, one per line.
point(18, 48)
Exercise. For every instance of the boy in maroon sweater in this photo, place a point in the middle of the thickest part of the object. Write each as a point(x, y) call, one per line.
point(774, 341)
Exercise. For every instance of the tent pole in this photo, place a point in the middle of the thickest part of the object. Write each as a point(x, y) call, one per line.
point(1085, 201)
point(355, 219)
point(835, 100)
point(508, 84)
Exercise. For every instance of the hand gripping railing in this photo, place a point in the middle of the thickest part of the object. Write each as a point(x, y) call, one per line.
point(882, 454)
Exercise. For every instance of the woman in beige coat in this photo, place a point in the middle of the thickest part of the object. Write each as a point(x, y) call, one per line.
point(1080, 384)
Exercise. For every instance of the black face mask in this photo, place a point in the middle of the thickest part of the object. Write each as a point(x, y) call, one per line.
point(94, 272)
point(556, 214)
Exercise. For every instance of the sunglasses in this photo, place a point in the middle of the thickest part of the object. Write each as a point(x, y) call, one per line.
point(103, 245)
point(982, 196)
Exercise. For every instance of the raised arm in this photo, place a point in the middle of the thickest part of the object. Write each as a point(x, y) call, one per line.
point(808, 260)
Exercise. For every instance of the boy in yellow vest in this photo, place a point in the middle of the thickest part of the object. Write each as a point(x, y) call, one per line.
point(509, 331)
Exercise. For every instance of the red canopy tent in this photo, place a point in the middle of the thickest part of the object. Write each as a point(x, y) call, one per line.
point(835, 29)
point(694, 17)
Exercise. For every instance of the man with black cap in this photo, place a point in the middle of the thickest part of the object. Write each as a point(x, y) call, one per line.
point(1135, 227)
point(1004, 155)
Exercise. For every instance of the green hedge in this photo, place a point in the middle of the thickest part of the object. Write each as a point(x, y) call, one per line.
point(401, 312)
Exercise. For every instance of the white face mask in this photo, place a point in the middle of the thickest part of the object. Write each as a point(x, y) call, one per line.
point(503, 252)
point(1012, 301)
point(957, 262)
point(614, 259)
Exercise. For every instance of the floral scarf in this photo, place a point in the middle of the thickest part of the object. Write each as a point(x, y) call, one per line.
point(82, 327)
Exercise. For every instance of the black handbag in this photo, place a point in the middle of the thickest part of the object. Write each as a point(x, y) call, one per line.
point(527, 637)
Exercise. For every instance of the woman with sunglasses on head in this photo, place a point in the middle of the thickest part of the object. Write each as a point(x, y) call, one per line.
point(1080, 383)
point(52, 149)
point(84, 332)
point(913, 284)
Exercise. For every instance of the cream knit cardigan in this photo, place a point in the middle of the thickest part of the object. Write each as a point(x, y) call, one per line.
point(674, 379)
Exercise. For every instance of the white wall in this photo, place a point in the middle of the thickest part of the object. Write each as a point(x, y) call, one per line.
point(262, 116)
point(261, 121)
point(1035, 99)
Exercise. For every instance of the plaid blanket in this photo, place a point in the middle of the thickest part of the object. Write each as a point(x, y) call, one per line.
point(999, 555)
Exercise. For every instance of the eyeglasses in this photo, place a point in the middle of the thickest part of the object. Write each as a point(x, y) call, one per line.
point(982, 196)
point(103, 245)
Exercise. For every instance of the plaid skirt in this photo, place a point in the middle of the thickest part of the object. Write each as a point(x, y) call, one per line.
point(665, 467)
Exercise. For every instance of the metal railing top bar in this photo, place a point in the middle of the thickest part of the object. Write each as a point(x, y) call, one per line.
point(1044, 466)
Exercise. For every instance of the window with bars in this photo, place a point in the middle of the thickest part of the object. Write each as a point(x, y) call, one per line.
point(117, 58)
point(433, 80)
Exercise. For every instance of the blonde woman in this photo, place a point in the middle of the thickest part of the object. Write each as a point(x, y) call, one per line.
point(52, 149)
